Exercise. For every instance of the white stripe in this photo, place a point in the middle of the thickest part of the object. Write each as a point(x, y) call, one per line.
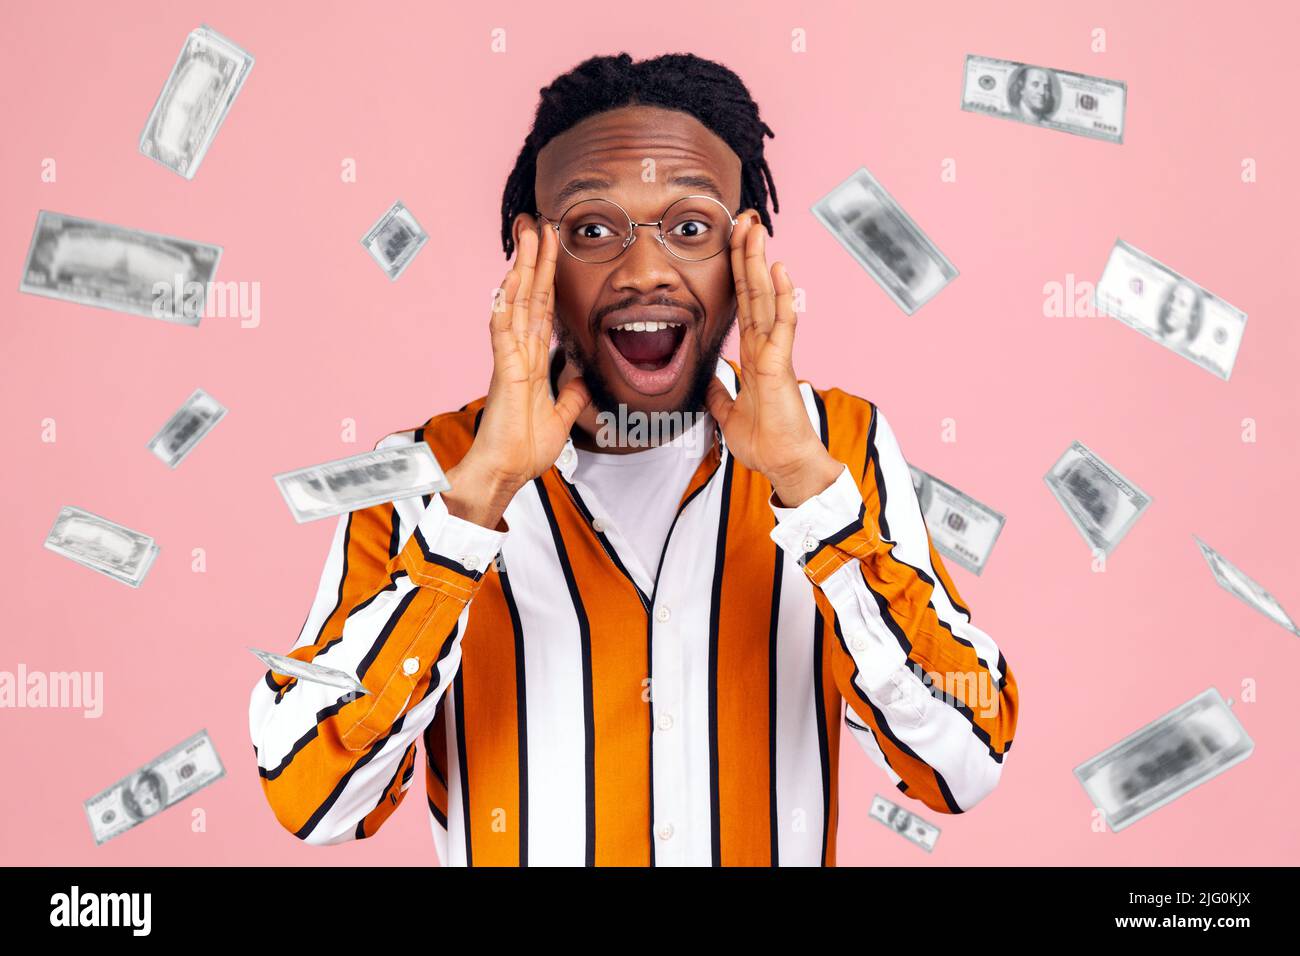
point(557, 773)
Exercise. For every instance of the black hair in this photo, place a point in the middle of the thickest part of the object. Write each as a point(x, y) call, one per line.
point(684, 82)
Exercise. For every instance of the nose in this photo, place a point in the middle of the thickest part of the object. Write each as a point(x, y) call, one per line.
point(645, 264)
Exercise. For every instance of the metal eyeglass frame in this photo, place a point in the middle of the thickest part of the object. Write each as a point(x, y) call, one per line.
point(632, 227)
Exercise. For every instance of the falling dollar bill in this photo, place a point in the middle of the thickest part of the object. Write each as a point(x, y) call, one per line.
point(1167, 308)
point(1101, 502)
point(127, 270)
point(310, 671)
point(961, 528)
point(1056, 99)
point(170, 778)
point(186, 428)
point(1232, 580)
point(360, 481)
point(1166, 758)
point(102, 545)
point(395, 239)
point(920, 832)
point(884, 240)
point(207, 77)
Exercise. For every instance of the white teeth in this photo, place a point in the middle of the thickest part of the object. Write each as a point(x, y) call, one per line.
point(646, 326)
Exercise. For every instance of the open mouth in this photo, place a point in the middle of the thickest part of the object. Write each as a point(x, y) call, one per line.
point(649, 354)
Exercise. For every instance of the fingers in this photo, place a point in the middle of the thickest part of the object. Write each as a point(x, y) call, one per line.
point(762, 299)
point(499, 319)
point(540, 297)
point(573, 397)
point(719, 402)
point(784, 318)
point(525, 265)
point(738, 273)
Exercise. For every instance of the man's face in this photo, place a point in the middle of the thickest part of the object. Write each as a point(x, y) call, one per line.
point(1038, 89)
point(147, 799)
point(1181, 306)
point(642, 158)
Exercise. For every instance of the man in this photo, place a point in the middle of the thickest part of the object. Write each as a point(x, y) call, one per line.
point(1032, 94)
point(638, 656)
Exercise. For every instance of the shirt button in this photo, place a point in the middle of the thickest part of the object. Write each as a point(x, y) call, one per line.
point(665, 831)
point(662, 615)
point(410, 666)
point(665, 721)
point(470, 561)
point(810, 544)
point(598, 524)
point(566, 456)
point(859, 644)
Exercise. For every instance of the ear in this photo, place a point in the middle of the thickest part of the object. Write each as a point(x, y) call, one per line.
point(752, 215)
point(522, 222)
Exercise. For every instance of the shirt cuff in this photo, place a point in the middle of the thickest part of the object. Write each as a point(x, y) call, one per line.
point(828, 518)
point(450, 553)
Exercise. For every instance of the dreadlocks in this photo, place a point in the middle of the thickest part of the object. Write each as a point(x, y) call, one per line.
point(684, 82)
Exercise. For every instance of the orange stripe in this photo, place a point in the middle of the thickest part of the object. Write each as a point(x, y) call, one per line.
point(744, 727)
point(619, 656)
point(491, 728)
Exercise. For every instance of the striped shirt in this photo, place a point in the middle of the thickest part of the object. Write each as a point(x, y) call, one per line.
point(572, 712)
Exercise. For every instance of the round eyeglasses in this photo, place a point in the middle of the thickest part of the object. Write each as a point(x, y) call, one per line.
point(693, 228)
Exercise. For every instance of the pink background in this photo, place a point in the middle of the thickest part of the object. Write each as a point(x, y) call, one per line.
point(433, 117)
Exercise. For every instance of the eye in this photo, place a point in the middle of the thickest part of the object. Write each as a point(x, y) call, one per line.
point(691, 228)
point(591, 230)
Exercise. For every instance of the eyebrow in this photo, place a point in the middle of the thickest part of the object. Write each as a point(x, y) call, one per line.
point(576, 187)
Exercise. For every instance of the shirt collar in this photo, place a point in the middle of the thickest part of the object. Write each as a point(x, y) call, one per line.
point(568, 457)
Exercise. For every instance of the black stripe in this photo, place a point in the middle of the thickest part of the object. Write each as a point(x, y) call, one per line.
point(384, 634)
point(428, 753)
point(395, 540)
point(604, 541)
point(478, 417)
point(390, 586)
point(773, 630)
point(458, 685)
point(437, 814)
point(883, 724)
point(823, 426)
point(417, 438)
point(715, 610)
point(823, 745)
point(385, 794)
point(584, 638)
point(322, 714)
point(343, 576)
point(521, 714)
point(873, 455)
point(434, 558)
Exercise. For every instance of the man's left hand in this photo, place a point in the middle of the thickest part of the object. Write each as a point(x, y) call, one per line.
point(766, 425)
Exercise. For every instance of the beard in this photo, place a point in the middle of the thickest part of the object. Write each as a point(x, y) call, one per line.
point(602, 397)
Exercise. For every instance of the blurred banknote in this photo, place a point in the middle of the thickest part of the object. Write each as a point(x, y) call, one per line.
point(186, 428)
point(308, 671)
point(207, 77)
point(1056, 99)
point(360, 481)
point(186, 768)
point(102, 545)
point(884, 240)
point(1165, 307)
point(394, 240)
point(1166, 758)
point(1232, 580)
point(127, 270)
point(961, 528)
point(1101, 502)
point(920, 832)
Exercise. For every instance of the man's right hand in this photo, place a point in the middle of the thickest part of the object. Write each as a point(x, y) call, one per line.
point(523, 429)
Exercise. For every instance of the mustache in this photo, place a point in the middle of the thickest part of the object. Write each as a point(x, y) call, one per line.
point(598, 318)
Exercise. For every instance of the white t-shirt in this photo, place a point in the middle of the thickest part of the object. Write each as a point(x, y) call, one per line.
point(635, 495)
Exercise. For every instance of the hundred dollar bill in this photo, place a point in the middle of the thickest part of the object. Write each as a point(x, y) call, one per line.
point(1167, 308)
point(102, 545)
point(1166, 758)
point(194, 101)
point(309, 671)
point(1057, 99)
point(185, 769)
point(886, 242)
point(186, 428)
point(961, 528)
point(920, 832)
point(360, 481)
point(395, 239)
point(127, 270)
point(1232, 580)
point(1101, 502)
